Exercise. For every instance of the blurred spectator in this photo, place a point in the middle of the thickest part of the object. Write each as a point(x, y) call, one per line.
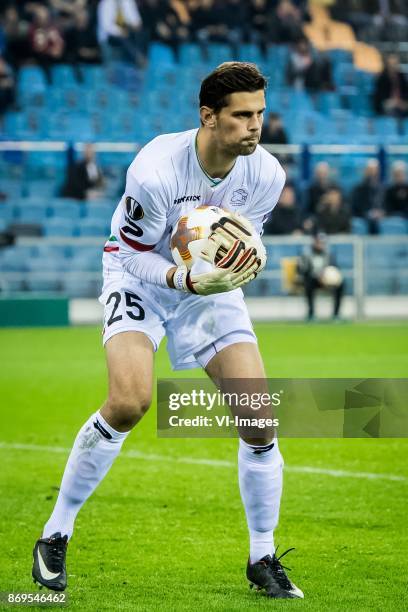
point(396, 195)
point(148, 10)
point(391, 89)
point(273, 131)
point(257, 25)
point(66, 10)
point(332, 215)
point(17, 47)
point(319, 271)
point(308, 70)
point(285, 218)
point(82, 43)
point(360, 14)
point(84, 180)
point(285, 23)
point(367, 196)
point(120, 29)
point(319, 186)
point(46, 41)
point(170, 28)
point(219, 21)
point(7, 87)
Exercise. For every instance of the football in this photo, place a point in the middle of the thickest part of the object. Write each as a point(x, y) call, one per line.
point(190, 234)
point(331, 277)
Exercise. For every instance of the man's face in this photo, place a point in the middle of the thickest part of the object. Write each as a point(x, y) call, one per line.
point(372, 170)
point(322, 172)
point(319, 245)
point(333, 199)
point(89, 153)
point(238, 125)
point(393, 62)
point(399, 175)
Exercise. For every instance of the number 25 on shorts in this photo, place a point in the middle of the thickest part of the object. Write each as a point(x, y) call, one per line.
point(134, 310)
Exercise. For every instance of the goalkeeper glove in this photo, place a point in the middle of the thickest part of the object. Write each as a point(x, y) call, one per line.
point(222, 246)
point(219, 280)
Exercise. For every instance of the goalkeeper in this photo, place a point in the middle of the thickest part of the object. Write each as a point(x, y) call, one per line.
point(203, 315)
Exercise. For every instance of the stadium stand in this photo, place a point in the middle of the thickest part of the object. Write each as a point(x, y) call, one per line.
point(115, 101)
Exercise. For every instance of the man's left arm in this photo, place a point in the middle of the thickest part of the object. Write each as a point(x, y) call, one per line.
point(267, 195)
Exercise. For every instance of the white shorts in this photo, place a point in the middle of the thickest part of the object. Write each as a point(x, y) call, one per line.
point(197, 327)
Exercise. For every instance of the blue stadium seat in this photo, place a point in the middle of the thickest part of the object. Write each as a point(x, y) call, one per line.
point(190, 54)
point(340, 56)
point(59, 227)
point(344, 74)
point(62, 208)
point(92, 75)
point(75, 287)
point(11, 124)
point(63, 76)
point(48, 264)
point(43, 284)
point(99, 211)
point(31, 81)
point(264, 287)
point(45, 188)
point(327, 102)
point(278, 56)
point(401, 255)
point(359, 226)
point(94, 227)
point(278, 251)
point(250, 53)
point(393, 225)
point(343, 254)
point(6, 212)
point(11, 285)
point(160, 54)
point(389, 255)
point(31, 212)
point(12, 187)
point(84, 262)
point(44, 250)
point(13, 260)
point(219, 52)
point(378, 284)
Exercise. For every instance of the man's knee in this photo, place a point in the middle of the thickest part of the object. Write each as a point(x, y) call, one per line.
point(264, 440)
point(124, 410)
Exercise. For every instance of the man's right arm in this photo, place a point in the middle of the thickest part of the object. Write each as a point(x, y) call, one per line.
point(140, 226)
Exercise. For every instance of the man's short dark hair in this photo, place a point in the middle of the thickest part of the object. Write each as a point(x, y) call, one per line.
point(229, 78)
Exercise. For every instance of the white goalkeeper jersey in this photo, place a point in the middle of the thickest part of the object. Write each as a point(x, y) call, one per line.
point(166, 181)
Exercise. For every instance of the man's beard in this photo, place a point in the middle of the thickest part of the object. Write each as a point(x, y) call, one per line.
point(242, 148)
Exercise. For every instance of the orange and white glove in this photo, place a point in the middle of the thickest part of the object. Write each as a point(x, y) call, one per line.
point(220, 279)
point(225, 242)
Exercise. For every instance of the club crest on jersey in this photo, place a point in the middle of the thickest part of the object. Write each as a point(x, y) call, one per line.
point(134, 209)
point(239, 197)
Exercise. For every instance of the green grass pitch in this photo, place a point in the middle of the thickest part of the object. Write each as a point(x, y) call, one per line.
point(166, 534)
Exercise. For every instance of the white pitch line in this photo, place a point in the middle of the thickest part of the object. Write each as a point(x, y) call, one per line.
point(134, 454)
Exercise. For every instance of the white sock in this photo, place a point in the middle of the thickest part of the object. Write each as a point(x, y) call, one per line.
point(95, 448)
point(260, 483)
